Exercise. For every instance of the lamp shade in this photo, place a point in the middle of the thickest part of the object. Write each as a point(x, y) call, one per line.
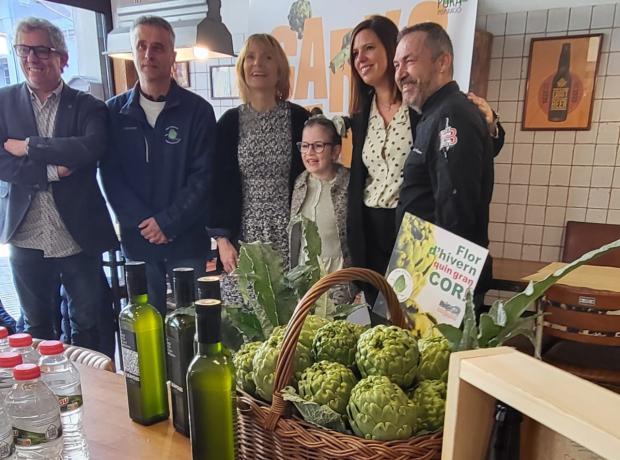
point(213, 35)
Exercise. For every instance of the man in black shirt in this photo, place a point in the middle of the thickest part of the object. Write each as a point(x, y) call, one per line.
point(448, 176)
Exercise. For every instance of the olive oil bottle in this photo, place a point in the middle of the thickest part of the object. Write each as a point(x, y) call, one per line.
point(142, 346)
point(211, 389)
point(180, 329)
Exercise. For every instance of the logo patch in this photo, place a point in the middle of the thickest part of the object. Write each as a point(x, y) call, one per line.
point(172, 135)
point(448, 137)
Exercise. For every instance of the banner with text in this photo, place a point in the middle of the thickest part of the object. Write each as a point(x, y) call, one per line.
point(316, 35)
point(431, 270)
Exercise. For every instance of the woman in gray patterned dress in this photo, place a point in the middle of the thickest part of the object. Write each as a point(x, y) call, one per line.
point(257, 161)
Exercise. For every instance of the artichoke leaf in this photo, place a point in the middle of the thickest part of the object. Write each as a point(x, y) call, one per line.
point(244, 321)
point(312, 412)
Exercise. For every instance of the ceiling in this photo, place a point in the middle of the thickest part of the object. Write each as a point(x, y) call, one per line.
point(508, 6)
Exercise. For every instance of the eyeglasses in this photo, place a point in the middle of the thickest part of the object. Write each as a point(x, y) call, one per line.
point(318, 147)
point(42, 52)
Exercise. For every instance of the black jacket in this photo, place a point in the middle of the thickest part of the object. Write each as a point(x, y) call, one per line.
point(355, 221)
point(448, 176)
point(79, 142)
point(227, 195)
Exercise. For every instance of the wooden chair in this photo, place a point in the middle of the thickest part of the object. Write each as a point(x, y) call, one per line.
point(581, 237)
point(85, 356)
point(587, 322)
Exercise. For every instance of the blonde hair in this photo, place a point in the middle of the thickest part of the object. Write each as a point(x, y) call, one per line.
point(283, 86)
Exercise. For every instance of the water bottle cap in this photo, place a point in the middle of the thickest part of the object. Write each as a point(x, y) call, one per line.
point(51, 347)
point(26, 372)
point(10, 359)
point(20, 340)
point(4, 332)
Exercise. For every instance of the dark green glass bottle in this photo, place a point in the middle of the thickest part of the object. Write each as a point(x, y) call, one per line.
point(142, 346)
point(211, 389)
point(180, 328)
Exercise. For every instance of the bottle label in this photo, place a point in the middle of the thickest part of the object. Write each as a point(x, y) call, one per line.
point(68, 403)
point(7, 445)
point(40, 431)
point(129, 348)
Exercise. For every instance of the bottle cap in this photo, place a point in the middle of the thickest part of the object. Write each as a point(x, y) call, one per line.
point(185, 273)
point(135, 277)
point(4, 332)
point(26, 372)
point(20, 340)
point(51, 347)
point(208, 320)
point(10, 359)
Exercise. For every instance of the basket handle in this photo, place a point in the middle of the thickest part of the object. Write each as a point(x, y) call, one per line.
point(286, 359)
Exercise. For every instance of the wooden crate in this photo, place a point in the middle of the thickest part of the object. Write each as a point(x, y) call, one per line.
point(565, 417)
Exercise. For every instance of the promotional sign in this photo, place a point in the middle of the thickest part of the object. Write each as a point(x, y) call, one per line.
point(431, 270)
point(316, 36)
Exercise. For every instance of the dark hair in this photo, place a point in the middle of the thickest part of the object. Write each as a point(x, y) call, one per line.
point(387, 32)
point(153, 21)
point(437, 39)
point(318, 119)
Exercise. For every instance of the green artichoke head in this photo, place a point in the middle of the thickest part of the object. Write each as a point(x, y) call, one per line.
point(266, 358)
point(243, 366)
point(337, 341)
point(379, 409)
point(299, 12)
point(328, 384)
point(429, 398)
point(311, 325)
point(434, 358)
point(389, 351)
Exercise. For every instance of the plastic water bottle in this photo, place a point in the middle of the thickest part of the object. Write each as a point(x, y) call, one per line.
point(63, 379)
point(4, 340)
point(7, 444)
point(35, 416)
point(22, 344)
point(8, 360)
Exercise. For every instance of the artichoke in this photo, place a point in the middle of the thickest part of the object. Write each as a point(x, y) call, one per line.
point(389, 351)
point(266, 358)
point(337, 341)
point(243, 366)
point(434, 358)
point(379, 409)
point(429, 399)
point(297, 15)
point(311, 325)
point(327, 384)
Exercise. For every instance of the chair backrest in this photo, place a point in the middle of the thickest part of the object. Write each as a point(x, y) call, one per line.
point(582, 237)
point(582, 315)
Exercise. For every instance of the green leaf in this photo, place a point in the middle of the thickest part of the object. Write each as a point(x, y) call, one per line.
point(314, 413)
point(246, 322)
point(521, 326)
point(452, 334)
point(231, 335)
point(342, 311)
point(469, 340)
point(488, 329)
point(399, 284)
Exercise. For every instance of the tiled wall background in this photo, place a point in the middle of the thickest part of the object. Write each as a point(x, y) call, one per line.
point(545, 178)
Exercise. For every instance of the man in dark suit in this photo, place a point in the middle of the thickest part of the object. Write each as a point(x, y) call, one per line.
point(52, 212)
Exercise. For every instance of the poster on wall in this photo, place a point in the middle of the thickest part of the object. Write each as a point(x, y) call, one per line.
point(316, 36)
point(560, 82)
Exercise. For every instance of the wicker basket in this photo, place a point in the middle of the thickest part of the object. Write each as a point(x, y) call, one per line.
point(267, 432)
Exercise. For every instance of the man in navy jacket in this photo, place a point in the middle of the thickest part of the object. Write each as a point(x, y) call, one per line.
point(52, 212)
point(155, 176)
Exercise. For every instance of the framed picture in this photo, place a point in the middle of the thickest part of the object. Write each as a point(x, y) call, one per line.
point(560, 82)
point(181, 73)
point(223, 82)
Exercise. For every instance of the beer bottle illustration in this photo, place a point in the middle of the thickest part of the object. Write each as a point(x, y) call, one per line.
point(560, 87)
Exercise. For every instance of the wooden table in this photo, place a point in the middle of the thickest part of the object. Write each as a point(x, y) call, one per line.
point(111, 434)
point(509, 274)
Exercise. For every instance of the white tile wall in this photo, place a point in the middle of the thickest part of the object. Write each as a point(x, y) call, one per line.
point(544, 178)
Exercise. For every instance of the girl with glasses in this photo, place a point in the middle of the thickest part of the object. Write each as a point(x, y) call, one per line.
point(320, 195)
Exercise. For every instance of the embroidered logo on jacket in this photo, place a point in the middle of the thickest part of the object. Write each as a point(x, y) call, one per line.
point(447, 137)
point(172, 135)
